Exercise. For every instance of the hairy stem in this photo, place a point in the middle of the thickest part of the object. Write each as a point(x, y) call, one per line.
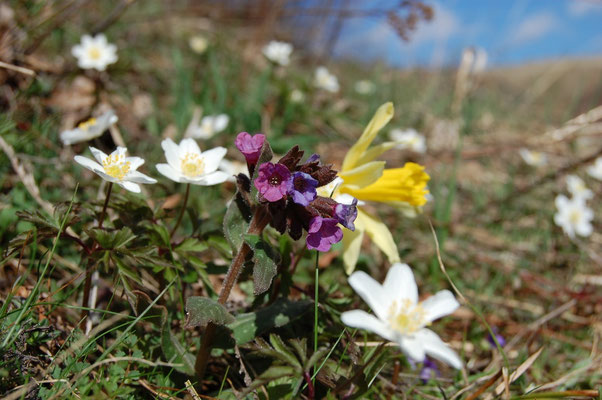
point(182, 210)
point(259, 221)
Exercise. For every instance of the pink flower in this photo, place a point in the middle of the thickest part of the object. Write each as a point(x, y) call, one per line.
point(323, 233)
point(273, 181)
point(250, 146)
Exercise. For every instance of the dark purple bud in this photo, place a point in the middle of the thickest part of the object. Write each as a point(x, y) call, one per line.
point(250, 146)
point(323, 233)
point(500, 339)
point(346, 214)
point(303, 190)
point(429, 370)
point(273, 181)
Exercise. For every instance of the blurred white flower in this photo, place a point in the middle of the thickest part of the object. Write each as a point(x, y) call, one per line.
point(577, 187)
point(233, 168)
point(187, 164)
point(408, 139)
point(533, 158)
point(595, 170)
point(480, 61)
point(90, 129)
point(297, 96)
point(325, 80)
point(117, 168)
point(198, 43)
point(208, 126)
point(94, 52)
point(364, 87)
point(278, 52)
point(400, 317)
point(573, 216)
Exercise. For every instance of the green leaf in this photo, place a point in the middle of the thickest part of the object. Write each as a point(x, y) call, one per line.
point(248, 326)
point(175, 352)
point(112, 239)
point(236, 221)
point(264, 268)
point(281, 348)
point(191, 245)
point(202, 310)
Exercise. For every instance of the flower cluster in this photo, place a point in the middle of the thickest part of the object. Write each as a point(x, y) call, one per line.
point(289, 188)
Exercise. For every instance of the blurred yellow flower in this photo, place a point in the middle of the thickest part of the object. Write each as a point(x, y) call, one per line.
point(366, 179)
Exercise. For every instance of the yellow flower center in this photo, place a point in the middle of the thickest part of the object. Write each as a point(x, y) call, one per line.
point(94, 53)
point(87, 124)
point(116, 166)
point(408, 318)
point(192, 165)
point(575, 216)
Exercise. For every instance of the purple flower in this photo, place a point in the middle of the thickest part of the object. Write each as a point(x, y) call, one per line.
point(323, 233)
point(429, 370)
point(500, 339)
point(346, 214)
point(303, 190)
point(273, 181)
point(250, 146)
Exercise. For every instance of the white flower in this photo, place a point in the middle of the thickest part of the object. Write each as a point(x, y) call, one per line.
point(233, 168)
point(278, 52)
point(364, 87)
point(88, 130)
point(533, 158)
point(325, 80)
point(408, 139)
point(186, 163)
point(94, 52)
point(297, 96)
point(209, 126)
point(577, 187)
point(400, 317)
point(595, 171)
point(573, 216)
point(198, 44)
point(117, 168)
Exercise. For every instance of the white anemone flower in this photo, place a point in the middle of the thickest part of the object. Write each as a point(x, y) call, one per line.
point(94, 52)
point(325, 80)
point(573, 216)
point(208, 127)
point(595, 170)
point(297, 96)
point(533, 158)
point(408, 139)
point(400, 318)
point(233, 168)
point(278, 52)
point(577, 187)
point(198, 44)
point(117, 168)
point(187, 164)
point(90, 129)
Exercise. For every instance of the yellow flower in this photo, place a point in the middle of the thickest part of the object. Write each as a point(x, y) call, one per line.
point(366, 179)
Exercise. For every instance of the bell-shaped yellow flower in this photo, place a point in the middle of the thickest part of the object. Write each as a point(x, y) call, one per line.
point(366, 179)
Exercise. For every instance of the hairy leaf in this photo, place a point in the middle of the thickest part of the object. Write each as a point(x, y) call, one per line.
point(202, 310)
point(264, 268)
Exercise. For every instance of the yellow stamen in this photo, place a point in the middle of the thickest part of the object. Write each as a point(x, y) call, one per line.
point(192, 165)
point(407, 318)
point(94, 53)
point(575, 216)
point(87, 124)
point(116, 166)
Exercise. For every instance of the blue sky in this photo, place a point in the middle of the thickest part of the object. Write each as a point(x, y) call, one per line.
point(510, 31)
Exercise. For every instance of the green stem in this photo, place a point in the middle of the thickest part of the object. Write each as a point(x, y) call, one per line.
point(259, 221)
point(182, 210)
point(316, 293)
point(88, 280)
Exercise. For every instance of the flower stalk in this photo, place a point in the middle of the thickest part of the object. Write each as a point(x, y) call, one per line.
point(259, 221)
point(182, 210)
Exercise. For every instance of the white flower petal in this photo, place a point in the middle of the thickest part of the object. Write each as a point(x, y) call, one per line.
point(436, 348)
point(135, 162)
point(400, 284)
point(189, 146)
point(213, 178)
point(89, 164)
point(172, 153)
point(131, 186)
point(211, 158)
point(371, 292)
point(139, 177)
point(412, 347)
point(441, 304)
point(169, 172)
point(220, 122)
point(363, 320)
point(99, 155)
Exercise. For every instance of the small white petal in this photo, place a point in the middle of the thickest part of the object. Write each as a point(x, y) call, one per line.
point(441, 304)
point(363, 320)
point(211, 179)
point(169, 172)
point(189, 146)
point(135, 162)
point(436, 348)
point(99, 155)
point(220, 122)
point(412, 347)
point(211, 158)
point(131, 186)
point(400, 284)
point(89, 164)
point(371, 292)
point(172, 153)
point(139, 177)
